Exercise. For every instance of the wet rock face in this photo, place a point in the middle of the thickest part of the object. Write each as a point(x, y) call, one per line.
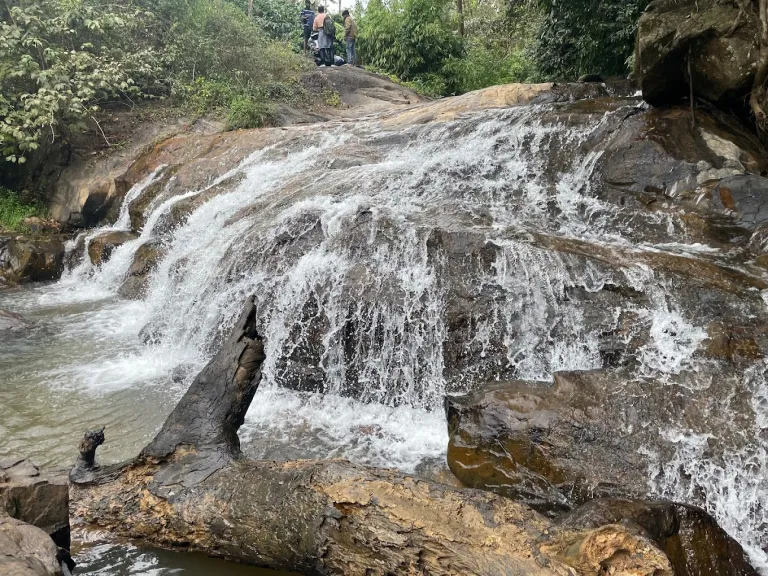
point(723, 54)
point(100, 248)
point(690, 538)
point(30, 260)
point(654, 181)
point(706, 177)
point(590, 435)
point(144, 262)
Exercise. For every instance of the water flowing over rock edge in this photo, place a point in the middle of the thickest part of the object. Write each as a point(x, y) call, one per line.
point(683, 348)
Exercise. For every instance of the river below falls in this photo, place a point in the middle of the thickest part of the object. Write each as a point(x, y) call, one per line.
point(82, 366)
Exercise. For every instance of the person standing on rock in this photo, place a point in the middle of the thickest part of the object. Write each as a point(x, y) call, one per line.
point(323, 24)
point(307, 18)
point(350, 36)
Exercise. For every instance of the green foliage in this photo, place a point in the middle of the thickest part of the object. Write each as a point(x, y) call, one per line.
point(483, 66)
point(278, 18)
point(418, 42)
point(13, 211)
point(216, 40)
point(247, 112)
point(59, 59)
point(587, 37)
point(504, 41)
point(409, 38)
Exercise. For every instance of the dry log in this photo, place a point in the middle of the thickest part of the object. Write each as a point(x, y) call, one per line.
point(191, 488)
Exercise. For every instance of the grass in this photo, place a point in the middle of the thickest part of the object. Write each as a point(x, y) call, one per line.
point(13, 211)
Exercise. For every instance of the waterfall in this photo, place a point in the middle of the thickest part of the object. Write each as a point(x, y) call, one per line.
point(423, 264)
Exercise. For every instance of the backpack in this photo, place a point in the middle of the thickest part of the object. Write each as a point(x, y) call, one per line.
point(329, 26)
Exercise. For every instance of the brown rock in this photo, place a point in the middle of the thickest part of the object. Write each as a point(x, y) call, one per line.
point(690, 538)
point(723, 56)
point(100, 248)
point(26, 550)
point(144, 262)
point(557, 446)
point(24, 259)
point(42, 501)
point(728, 342)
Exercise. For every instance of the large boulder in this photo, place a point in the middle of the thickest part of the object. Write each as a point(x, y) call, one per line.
point(690, 538)
point(26, 550)
point(101, 247)
point(721, 41)
point(590, 434)
point(24, 259)
point(40, 500)
point(651, 183)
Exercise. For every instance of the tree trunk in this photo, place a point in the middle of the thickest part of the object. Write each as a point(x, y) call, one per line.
point(460, 10)
point(250, 9)
point(191, 488)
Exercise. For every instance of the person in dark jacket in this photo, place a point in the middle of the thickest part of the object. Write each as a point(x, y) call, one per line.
point(307, 19)
point(350, 37)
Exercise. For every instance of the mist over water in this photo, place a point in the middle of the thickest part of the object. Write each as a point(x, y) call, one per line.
point(370, 245)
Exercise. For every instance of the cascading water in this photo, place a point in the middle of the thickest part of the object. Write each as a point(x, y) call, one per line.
point(423, 264)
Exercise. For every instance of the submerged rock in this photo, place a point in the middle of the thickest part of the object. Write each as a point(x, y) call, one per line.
point(12, 322)
point(589, 435)
point(100, 248)
point(720, 40)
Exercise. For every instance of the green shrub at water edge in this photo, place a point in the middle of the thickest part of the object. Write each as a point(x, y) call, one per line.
point(248, 112)
point(13, 211)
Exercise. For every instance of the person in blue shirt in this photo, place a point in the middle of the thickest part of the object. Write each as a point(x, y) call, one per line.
point(307, 18)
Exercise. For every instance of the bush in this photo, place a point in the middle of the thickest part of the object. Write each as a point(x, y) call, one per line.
point(278, 18)
point(409, 38)
point(247, 112)
point(587, 37)
point(13, 211)
point(218, 42)
point(59, 59)
point(485, 66)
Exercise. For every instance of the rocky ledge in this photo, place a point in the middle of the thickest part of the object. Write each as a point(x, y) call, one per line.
point(30, 259)
point(34, 521)
point(557, 447)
